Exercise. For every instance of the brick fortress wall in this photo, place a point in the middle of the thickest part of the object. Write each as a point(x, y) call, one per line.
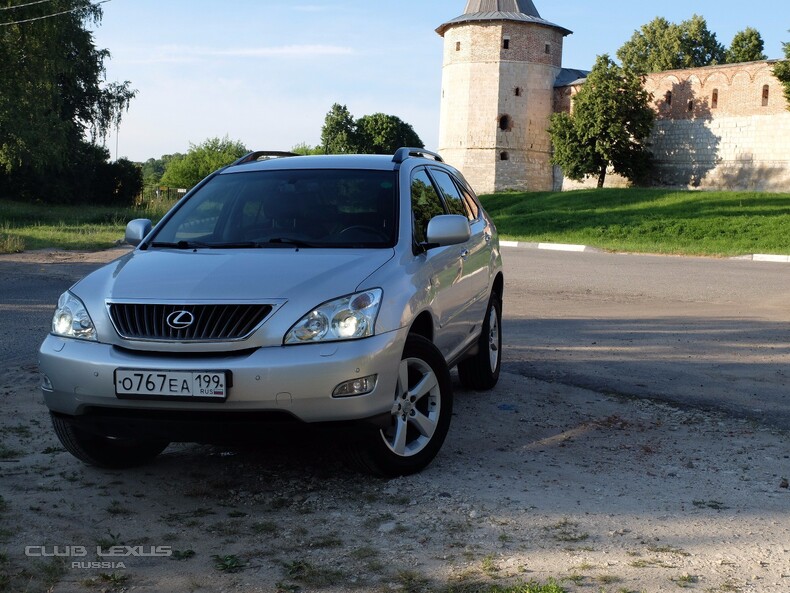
point(719, 127)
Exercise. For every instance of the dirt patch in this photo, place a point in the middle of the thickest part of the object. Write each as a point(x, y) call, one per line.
point(58, 256)
point(536, 481)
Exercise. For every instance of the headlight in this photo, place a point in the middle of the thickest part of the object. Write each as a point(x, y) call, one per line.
point(346, 318)
point(71, 319)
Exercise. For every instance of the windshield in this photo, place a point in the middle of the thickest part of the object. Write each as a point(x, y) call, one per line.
point(301, 208)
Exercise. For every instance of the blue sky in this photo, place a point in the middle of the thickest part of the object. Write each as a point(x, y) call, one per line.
point(266, 71)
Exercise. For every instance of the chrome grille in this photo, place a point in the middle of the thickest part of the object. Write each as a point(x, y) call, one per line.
point(210, 323)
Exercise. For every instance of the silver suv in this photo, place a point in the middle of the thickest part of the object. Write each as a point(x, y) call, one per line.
point(335, 291)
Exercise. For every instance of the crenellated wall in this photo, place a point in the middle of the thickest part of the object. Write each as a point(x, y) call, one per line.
point(719, 127)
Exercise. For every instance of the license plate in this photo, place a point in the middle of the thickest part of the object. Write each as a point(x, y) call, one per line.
point(131, 383)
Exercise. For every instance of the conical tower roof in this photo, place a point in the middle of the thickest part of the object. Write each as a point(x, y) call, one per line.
point(522, 11)
point(522, 6)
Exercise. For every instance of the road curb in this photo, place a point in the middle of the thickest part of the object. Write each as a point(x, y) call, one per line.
point(760, 257)
point(550, 246)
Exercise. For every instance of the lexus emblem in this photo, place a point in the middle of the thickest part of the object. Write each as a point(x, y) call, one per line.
point(180, 319)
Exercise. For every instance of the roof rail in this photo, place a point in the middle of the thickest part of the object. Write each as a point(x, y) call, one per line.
point(403, 153)
point(262, 155)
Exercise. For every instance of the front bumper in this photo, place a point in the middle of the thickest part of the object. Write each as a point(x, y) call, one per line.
point(294, 380)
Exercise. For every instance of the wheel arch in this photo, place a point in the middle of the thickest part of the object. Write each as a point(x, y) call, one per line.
point(499, 285)
point(423, 326)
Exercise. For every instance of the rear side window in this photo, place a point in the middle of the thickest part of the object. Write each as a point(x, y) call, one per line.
point(425, 204)
point(451, 194)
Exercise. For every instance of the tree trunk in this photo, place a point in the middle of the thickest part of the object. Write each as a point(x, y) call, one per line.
point(602, 176)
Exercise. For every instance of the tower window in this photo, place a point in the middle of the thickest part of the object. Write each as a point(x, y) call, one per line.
point(547, 49)
point(457, 46)
point(506, 43)
point(505, 123)
point(714, 99)
point(504, 156)
point(690, 106)
point(517, 91)
point(765, 95)
point(668, 98)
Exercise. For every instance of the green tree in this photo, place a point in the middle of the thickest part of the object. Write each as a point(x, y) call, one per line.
point(188, 170)
point(378, 133)
point(782, 71)
point(339, 132)
point(660, 45)
point(304, 148)
point(746, 46)
point(609, 126)
point(52, 97)
point(384, 134)
point(153, 169)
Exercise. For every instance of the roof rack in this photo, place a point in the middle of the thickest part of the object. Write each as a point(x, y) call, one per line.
point(263, 155)
point(403, 153)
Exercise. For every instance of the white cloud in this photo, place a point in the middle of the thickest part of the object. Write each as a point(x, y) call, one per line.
point(184, 54)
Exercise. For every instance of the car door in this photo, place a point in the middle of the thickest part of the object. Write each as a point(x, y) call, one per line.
point(450, 295)
point(476, 253)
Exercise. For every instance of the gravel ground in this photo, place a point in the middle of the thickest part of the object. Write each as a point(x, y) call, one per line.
point(536, 481)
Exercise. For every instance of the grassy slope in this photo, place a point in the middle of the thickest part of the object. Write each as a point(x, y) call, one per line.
point(648, 220)
point(640, 220)
point(38, 226)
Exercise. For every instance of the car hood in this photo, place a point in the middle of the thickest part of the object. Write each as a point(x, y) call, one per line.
point(234, 275)
point(292, 280)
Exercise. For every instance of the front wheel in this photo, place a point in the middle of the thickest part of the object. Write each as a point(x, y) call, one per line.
point(420, 415)
point(481, 371)
point(104, 451)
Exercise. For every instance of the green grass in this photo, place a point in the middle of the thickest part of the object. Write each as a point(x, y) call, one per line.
point(38, 226)
point(634, 220)
point(648, 220)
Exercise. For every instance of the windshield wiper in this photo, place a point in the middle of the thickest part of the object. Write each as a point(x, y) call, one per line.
point(179, 244)
point(202, 245)
point(289, 241)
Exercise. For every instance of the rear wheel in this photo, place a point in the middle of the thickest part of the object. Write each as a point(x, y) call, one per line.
point(481, 371)
point(420, 415)
point(104, 451)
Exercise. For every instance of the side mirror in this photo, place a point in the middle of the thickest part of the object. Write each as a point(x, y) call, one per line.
point(137, 230)
point(448, 229)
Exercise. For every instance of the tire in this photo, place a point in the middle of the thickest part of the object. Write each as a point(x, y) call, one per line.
point(104, 451)
point(481, 371)
point(421, 412)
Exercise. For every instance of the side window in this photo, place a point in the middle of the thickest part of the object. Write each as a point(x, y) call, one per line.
point(471, 204)
point(452, 197)
point(425, 204)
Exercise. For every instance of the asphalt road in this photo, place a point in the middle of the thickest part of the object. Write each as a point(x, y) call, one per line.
point(705, 332)
point(695, 331)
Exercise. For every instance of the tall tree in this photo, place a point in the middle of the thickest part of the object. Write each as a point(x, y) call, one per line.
point(746, 46)
point(661, 45)
point(53, 97)
point(384, 134)
point(339, 133)
point(188, 170)
point(378, 133)
point(609, 126)
point(782, 72)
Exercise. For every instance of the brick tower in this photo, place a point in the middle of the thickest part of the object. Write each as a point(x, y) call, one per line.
point(501, 61)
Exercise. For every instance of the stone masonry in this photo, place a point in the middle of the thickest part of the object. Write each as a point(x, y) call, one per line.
point(720, 127)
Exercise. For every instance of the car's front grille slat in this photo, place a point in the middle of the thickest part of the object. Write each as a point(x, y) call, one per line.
point(209, 322)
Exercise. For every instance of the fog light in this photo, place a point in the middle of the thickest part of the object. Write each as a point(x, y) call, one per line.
point(46, 384)
point(359, 386)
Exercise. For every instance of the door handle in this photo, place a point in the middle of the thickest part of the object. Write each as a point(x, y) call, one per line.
point(488, 237)
point(464, 254)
